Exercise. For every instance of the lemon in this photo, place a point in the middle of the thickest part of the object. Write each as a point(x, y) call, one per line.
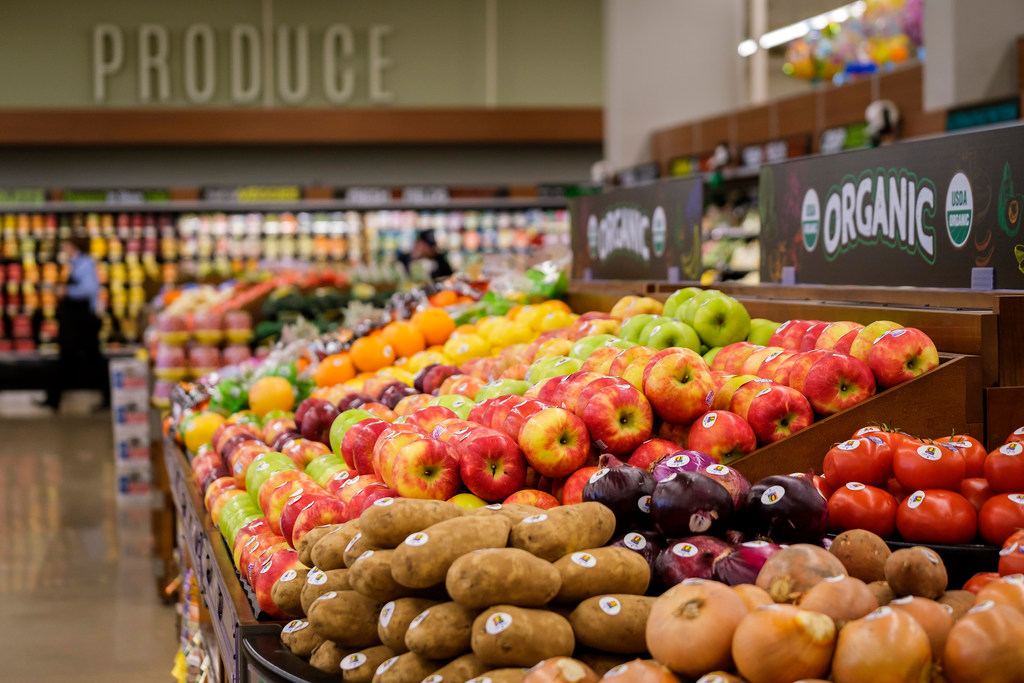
point(200, 428)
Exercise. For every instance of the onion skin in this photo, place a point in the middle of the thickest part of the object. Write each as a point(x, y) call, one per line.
point(744, 563)
point(690, 629)
point(936, 619)
point(985, 645)
point(561, 670)
point(793, 571)
point(641, 671)
point(781, 643)
point(753, 596)
point(720, 677)
point(886, 646)
point(1008, 591)
point(843, 598)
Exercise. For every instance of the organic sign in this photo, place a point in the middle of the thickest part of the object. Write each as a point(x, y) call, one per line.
point(922, 213)
point(650, 232)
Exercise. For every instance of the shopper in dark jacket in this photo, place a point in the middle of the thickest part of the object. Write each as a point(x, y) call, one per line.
point(425, 249)
point(79, 325)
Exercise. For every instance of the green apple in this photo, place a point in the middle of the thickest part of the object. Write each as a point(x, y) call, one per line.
point(502, 387)
point(322, 468)
point(632, 327)
point(666, 333)
point(761, 330)
point(342, 424)
point(264, 465)
point(721, 321)
point(673, 303)
point(584, 347)
point(274, 414)
point(457, 403)
point(687, 309)
point(622, 344)
point(709, 355)
point(552, 366)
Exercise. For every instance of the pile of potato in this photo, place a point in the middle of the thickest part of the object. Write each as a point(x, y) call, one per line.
point(418, 590)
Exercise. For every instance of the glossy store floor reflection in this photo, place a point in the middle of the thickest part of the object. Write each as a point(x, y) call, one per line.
point(76, 576)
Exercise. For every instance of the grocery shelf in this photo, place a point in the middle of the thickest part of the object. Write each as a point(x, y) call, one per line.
point(266, 659)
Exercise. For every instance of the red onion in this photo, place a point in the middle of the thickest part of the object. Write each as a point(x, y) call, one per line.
point(689, 558)
point(735, 483)
point(744, 563)
point(787, 510)
point(681, 461)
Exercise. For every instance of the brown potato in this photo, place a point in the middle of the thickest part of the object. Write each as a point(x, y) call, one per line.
point(916, 571)
point(299, 638)
point(509, 576)
point(287, 591)
point(587, 573)
point(406, 668)
point(862, 553)
point(305, 548)
point(506, 635)
point(327, 657)
point(394, 620)
point(329, 551)
point(562, 530)
point(514, 511)
point(319, 582)
point(613, 623)
point(360, 667)
point(389, 521)
point(356, 547)
point(423, 559)
point(509, 675)
point(346, 617)
point(458, 670)
point(959, 601)
point(882, 592)
point(371, 575)
point(442, 631)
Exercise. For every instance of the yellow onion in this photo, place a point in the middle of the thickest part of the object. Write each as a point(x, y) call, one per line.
point(887, 646)
point(640, 671)
point(753, 596)
point(1007, 590)
point(781, 643)
point(720, 677)
point(841, 597)
point(561, 670)
point(936, 619)
point(987, 644)
point(691, 625)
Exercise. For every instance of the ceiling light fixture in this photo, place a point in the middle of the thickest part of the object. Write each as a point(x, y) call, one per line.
point(781, 36)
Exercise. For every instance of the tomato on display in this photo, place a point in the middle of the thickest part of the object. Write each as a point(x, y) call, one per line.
point(979, 581)
point(1011, 558)
point(856, 506)
point(976, 490)
point(928, 466)
point(1016, 436)
point(937, 516)
point(867, 459)
point(1004, 468)
point(972, 450)
point(1001, 516)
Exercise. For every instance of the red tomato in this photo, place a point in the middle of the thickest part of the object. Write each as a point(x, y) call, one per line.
point(928, 466)
point(1011, 559)
point(976, 490)
point(864, 431)
point(973, 451)
point(1001, 516)
point(1004, 468)
point(866, 459)
point(819, 483)
point(1016, 436)
point(897, 491)
point(896, 439)
point(979, 581)
point(856, 506)
point(937, 516)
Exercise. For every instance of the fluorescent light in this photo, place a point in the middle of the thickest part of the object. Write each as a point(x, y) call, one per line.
point(781, 36)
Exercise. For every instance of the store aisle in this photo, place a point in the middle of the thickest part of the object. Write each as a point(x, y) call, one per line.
point(76, 579)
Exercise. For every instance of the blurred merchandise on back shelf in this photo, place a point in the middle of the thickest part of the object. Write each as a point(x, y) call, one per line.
point(731, 248)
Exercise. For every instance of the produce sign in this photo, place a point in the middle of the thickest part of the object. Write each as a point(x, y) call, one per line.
point(924, 213)
point(650, 232)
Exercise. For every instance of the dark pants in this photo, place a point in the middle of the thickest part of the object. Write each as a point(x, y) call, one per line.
point(80, 364)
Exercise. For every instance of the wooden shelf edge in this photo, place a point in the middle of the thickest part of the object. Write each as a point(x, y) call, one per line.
point(422, 126)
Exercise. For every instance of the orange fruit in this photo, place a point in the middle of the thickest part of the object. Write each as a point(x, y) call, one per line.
point(372, 353)
point(435, 325)
point(445, 297)
point(556, 305)
point(271, 393)
point(405, 338)
point(334, 369)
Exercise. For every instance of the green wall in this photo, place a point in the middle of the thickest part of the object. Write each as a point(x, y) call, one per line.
point(549, 52)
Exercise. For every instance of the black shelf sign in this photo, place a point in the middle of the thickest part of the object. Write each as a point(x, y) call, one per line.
point(649, 232)
point(933, 213)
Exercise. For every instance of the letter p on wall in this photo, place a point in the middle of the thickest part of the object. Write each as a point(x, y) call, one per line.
point(107, 57)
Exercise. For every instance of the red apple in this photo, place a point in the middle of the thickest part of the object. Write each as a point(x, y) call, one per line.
point(789, 334)
point(622, 361)
point(745, 393)
point(305, 406)
point(755, 360)
point(899, 355)
point(736, 357)
point(243, 457)
point(354, 485)
point(304, 451)
point(726, 389)
point(723, 435)
point(803, 363)
point(572, 489)
point(634, 372)
point(366, 496)
point(778, 411)
point(427, 418)
point(723, 356)
point(435, 376)
point(258, 528)
point(861, 346)
point(502, 407)
point(452, 431)
point(555, 442)
point(323, 510)
point(293, 505)
point(538, 499)
point(316, 424)
point(218, 502)
point(619, 418)
point(254, 549)
point(357, 446)
point(833, 332)
point(277, 426)
point(678, 434)
point(518, 415)
point(600, 360)
point(811, 334)
point(785, 368)
point(845, 343)
point(426, 468)
point(771, 364)
point(388, 444)
point(228, 430)
point(597, 326)
point(570, 387)
point(679, 387)
point(272, 569)
point(338, 480)
point(277, 496)
point(651, 451)
point(836, 382)
point(491, 465)
point(217, 487)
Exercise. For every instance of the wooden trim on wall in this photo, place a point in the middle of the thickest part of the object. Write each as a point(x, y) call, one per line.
point(457, 126)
